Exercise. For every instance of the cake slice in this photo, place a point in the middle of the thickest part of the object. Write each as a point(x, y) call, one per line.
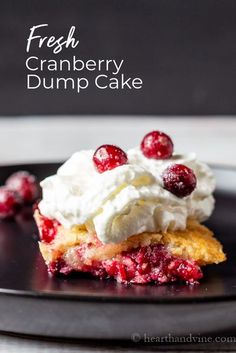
point(134, 217)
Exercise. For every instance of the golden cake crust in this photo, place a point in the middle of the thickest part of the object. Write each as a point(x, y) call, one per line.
point(196, 242)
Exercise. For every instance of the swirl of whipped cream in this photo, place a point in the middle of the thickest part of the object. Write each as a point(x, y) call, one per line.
point(127, 200)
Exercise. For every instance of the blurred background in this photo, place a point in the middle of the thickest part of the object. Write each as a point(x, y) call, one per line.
point(183, 50)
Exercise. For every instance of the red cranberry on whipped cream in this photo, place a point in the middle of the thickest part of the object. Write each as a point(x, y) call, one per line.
point(107, 157)
point(179, 180)
point(157, 145)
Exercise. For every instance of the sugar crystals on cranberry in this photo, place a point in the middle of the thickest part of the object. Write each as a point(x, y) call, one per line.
point(108, 157)
point(179, 180)
point(157, 145)
point(25, 184)
point(9, 203)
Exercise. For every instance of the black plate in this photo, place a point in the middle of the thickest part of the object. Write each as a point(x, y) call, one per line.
point(83, 307)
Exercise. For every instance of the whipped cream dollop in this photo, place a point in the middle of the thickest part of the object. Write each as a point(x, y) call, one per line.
point(127, 200)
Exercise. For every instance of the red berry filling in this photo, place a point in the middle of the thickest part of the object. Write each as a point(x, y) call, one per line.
point(179, 180)
point(157, 145)
point(25, 184)
point(108, 157)
point(150, 264)
point(48, 229)
point(9, 203)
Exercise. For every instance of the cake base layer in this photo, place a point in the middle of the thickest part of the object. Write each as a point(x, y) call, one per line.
point(143, 265)
point(142, 258)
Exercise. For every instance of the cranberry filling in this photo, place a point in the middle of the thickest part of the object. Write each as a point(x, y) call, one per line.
point(144, 265)
point(48, 229)
point(148, 264)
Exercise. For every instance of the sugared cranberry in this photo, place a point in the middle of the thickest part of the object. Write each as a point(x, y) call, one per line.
point(9, 203)
point(157, 145)
point(179, 180)
point(25, 184)
point(108, 157)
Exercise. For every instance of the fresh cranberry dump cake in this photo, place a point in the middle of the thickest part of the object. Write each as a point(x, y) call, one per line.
point(133, 216)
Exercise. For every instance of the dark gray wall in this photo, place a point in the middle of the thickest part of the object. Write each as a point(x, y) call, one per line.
point(184, 50)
